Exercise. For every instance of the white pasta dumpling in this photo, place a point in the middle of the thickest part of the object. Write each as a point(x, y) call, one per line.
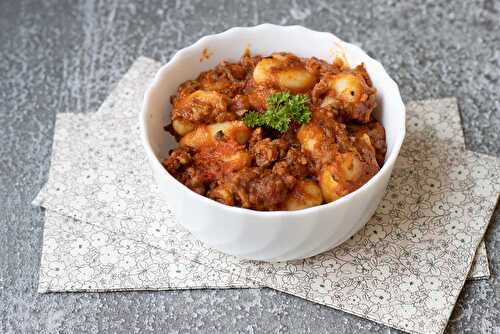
point(285, 72)
point(348, 87)
point(236, 130)
point(331, 189)
point(210, 98)
point(305, 194)
point(349, 91)
point(208, 134)
point(224, 158)
point(351, 168)
point(182, 126)
point(201, 106)
point(315, 141)
point(263, 71)
point(296, 80)
point(364, 138)
point(344, 88)
point(367, 151)
point(309, 136)
point(221, 159)
point(236, 160)
point(346, 174)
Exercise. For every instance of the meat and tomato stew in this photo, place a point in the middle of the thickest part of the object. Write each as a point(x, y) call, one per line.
point(277, 132)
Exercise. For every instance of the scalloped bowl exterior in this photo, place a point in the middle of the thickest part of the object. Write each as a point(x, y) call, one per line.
point(279, 235)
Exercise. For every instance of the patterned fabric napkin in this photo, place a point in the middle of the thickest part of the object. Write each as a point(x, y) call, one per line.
point(424, 241)
point(82, 257)
point(78, 256)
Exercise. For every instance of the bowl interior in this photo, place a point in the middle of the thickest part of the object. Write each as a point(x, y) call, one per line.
point(264, 40)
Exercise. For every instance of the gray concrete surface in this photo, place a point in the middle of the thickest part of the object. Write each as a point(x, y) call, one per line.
point(63, 56)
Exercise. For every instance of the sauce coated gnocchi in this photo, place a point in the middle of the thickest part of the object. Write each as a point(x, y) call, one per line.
point(335, 152)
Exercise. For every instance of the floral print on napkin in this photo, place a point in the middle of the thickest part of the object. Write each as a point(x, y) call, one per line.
point(81, 257)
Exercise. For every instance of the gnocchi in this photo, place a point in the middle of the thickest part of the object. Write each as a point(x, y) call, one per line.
point(182, 126)
point(209, 134)
point(305, 194)
point(201, 106)
point(330, 188)
point(318, 142)
point(347, 173)
point(217, 160)
point(284, 72)
point(350, 92)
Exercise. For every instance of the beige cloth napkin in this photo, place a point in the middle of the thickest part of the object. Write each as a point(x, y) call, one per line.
point(78, 256)
point(124, 201)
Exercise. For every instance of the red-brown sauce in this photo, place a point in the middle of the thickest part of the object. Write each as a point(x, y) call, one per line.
point(333, 154)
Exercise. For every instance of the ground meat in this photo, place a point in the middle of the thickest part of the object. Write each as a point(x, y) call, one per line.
point(178, 160)
point(253, 187)
point(240, 105)
point(268, 192)
point(320, 67)
point(257, 135)
point(194, 179)
point(249, 62)
point(367, 153)
point(233, 188)
point(376, 132)
point(296, 164)
point(257, 96)
point(235, 72)
point(267, 151)
point(184, 90)
point(225, 79)
point(320, 91)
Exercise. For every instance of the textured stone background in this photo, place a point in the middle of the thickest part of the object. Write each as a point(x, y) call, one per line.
point(60, 56)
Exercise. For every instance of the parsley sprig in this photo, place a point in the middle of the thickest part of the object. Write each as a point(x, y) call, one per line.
point(281, 109)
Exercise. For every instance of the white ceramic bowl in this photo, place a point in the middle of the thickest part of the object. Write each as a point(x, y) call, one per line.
point(278, 235)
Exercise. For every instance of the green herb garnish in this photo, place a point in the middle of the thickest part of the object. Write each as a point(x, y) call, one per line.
point(281, 108)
